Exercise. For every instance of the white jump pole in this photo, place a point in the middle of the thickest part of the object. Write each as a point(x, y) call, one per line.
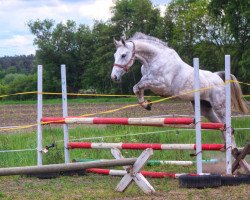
point(228, 117)
point(65, 113)
point(39, 113)
point(197, 116)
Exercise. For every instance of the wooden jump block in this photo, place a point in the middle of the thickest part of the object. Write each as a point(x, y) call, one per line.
point(239, 159)
point(134, 172)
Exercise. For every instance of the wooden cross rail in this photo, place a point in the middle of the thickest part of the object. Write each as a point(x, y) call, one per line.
point(134, 171)
point(239, 159)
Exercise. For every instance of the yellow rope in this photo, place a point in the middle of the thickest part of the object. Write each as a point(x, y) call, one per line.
point(101, 95)
point(118, 109)
point(19, 93)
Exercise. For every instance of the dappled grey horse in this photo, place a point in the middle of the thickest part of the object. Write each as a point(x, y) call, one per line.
point(166, 74)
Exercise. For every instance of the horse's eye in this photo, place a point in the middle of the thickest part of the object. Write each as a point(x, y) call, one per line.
point(123, 55)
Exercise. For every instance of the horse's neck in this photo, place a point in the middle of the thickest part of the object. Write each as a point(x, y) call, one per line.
point(153, 55)
point(145, 52)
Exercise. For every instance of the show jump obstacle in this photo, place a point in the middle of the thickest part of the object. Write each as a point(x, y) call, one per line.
point(199, 147)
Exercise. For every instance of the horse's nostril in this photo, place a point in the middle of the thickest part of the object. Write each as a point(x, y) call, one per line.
point(115, 78)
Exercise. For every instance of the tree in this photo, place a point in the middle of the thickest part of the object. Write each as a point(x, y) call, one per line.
point(97, 71)
point(14, 83)
point(187, 22)
point(193, 32)
point(18, 64)
point(3, 89)
point(130, 16)
point(61, 44)
point(236, 15)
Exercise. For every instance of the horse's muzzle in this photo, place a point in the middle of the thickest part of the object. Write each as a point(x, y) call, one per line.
point(115, 79)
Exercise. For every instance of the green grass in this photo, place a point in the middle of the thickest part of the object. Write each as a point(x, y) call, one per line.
point(102, 187)
point(118, 134)
point(5, 101)
point(92, 186)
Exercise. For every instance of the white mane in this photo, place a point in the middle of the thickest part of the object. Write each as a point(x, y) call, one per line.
point(150, 39)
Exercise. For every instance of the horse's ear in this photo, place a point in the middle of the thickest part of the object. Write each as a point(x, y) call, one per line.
point(123, 41)
point(116, 43)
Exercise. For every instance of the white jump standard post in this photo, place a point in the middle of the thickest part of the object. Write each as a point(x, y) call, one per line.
point(65, 113)
point(133, 173)
point(197, 110)
point(228, 116)
point(39, 113)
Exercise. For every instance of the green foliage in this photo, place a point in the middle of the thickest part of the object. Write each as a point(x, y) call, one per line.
point(16, 64)
point(17, 75)
point(130, 16)
point(3, 89)
point(15, 83)
point(189, 25)
point(235, 14)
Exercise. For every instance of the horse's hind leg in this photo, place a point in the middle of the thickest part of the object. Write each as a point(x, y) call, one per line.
point(215, 115)
point(208, 112)
point(220, 110)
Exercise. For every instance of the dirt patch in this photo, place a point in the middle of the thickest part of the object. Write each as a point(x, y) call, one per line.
point(21, 115)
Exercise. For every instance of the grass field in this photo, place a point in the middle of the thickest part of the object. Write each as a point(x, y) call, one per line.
point(74, 99)
point(93, 186)
point(111, 133)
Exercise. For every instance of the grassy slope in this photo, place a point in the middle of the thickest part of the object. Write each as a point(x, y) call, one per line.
point(101, 187)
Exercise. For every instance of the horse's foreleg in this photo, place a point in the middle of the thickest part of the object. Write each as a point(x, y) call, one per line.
point(139, 92)
point(144, 84)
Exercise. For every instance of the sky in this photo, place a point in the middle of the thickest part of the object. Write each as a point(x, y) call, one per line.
point(15, 36)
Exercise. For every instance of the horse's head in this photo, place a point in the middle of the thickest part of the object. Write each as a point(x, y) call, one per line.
point(124, 59)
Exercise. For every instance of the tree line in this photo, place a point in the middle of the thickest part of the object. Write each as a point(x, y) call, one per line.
point(207, 29)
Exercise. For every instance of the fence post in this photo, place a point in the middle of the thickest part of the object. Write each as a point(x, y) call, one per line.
point(65, 113)
point(197, 115)
point(39, 113)
point(228, 116)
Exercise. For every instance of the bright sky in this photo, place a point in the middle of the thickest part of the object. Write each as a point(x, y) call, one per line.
point(15, 37)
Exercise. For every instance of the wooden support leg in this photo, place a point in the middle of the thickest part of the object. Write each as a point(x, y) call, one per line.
point(134, 172)
point(239, 159)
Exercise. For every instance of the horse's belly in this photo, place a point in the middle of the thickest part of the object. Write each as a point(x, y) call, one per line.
point(161, 92)
point(189, 95)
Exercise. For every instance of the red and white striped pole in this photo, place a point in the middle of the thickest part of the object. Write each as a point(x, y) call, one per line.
point(130, 121)
point(141, 146)
point(113, 172)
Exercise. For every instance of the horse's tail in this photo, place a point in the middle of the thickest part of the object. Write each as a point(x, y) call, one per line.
point(237, 101)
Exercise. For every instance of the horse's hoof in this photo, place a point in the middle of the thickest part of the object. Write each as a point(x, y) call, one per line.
point(149, 105)
point(146, 104)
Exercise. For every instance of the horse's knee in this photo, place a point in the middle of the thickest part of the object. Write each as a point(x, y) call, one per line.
point(136, 89)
